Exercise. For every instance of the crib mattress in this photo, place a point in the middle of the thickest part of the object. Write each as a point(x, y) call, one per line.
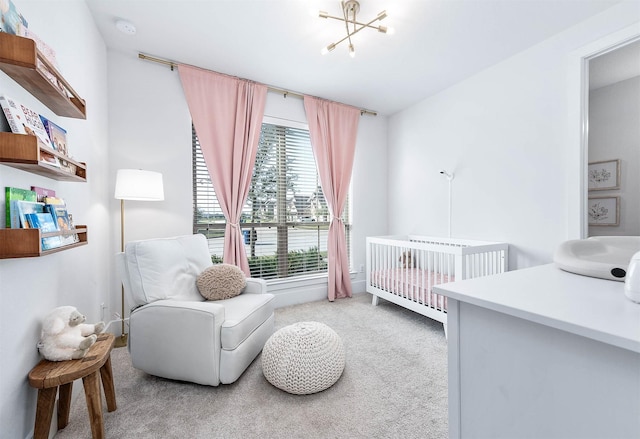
point(414, 284)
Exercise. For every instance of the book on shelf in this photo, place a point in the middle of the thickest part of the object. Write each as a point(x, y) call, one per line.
point(51, 77)
point(12, 220)
point(44, 222)
point(42, 193)
point(56, 134)
point(49, 159)
point(67, 166)
point(25, 208)
point(47, 51)
point(58, 137)
point(23, 120)
point(63, 222)
point(11, 21)
point(53, 200)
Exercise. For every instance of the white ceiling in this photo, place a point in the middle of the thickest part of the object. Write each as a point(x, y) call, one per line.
point(277, 42)
point(615, 66)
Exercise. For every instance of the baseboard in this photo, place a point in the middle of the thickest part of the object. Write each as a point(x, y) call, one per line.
point(286, 295)
point(296, 296)
point(359, 286)
point(309, 293)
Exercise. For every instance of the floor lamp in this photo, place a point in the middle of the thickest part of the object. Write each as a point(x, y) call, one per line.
point(138, 185)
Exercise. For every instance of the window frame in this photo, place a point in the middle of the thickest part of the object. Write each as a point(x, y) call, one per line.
point(305, 276)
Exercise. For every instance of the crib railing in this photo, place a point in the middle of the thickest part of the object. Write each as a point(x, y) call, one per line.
point(479, 258)
point(409, 266)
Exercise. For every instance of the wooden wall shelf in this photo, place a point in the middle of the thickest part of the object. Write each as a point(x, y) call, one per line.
point(23, 152)
point(27, 243)
point(22, 61)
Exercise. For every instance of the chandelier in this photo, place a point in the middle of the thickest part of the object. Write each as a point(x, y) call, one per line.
point(350, 9)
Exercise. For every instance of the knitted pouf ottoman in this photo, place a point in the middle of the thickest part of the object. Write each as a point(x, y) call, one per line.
point(303, 358)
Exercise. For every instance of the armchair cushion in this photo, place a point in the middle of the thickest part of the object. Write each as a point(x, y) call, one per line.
point(221, 281)
point(243, 315)
point(166, 268)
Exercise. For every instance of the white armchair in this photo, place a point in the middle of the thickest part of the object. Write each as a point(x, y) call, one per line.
point(173, 332)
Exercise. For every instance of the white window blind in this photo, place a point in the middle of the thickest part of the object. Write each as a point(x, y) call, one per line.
point(285, 220)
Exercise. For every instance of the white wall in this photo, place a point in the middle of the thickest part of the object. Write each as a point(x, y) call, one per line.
point(150, 128)
point(30, 287)
point(506, 134)
point(614, 133)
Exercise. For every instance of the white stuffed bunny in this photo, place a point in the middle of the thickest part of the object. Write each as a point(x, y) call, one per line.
point(65, 336)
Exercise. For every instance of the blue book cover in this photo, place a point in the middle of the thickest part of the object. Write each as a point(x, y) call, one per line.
point(57, 135)
point(11, 21)
point(26, 207)
point(62, 220)
point(32, 219)
point(44, 222)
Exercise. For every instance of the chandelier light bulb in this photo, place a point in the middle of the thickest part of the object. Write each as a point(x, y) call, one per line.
point(382, 15)
point(328, 49)
point(323, 14)
point(390, 30)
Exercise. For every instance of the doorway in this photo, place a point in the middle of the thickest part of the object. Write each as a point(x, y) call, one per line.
point(613, 142)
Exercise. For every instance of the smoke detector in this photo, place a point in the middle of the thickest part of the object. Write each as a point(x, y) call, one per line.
point(126, 27)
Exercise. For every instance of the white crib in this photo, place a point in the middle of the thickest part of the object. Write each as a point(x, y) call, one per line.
point(404, 269)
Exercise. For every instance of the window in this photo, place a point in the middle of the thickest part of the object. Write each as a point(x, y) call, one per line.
point(285, 220)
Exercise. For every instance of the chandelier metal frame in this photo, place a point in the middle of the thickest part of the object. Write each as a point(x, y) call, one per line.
point(350, 9)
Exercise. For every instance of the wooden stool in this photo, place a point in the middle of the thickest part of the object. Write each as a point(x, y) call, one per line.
point(47, 376)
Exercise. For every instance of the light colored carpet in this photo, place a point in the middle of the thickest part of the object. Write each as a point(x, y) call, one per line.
point(394, 386)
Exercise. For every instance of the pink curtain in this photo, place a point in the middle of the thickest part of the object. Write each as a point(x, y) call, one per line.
point(227, 115)
point(333, 129)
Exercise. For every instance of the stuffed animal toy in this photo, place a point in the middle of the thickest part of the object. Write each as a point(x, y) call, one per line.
point(407, 260)
point(65, 336)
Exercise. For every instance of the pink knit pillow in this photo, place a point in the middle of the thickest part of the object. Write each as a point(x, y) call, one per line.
point(221, 281)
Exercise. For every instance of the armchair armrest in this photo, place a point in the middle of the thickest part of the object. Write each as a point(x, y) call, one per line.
point(255, 286)
point(188, 329)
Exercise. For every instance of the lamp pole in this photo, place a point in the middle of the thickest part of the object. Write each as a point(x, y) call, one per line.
point(134, 184)
point(122, 340)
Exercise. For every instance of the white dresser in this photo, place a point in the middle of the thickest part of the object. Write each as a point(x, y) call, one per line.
point(542, 353)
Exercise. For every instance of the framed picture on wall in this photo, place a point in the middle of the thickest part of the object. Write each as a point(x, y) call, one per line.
point(604, 211)
point(604, 175)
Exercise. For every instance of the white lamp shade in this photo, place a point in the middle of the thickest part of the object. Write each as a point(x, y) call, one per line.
point(136, 184)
